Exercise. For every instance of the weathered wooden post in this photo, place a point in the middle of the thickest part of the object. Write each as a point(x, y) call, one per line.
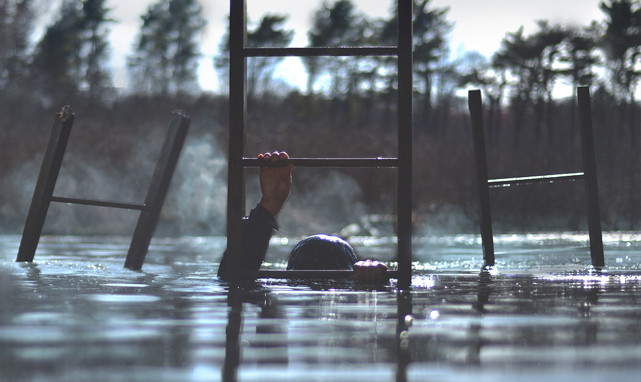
point(45, 184)
point(480, 161)
point(158, 188)
point(591, 183)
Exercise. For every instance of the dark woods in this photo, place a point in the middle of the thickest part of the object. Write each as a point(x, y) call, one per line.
point(345, 108)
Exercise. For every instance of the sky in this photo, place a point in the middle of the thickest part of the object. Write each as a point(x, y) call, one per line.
point(479, 25)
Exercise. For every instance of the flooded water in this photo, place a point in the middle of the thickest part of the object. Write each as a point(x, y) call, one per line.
point(545, 315)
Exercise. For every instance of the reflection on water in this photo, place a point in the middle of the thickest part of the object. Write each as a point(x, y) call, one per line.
point(77, 315)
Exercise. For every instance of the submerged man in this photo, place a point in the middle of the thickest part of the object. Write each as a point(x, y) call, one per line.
point(317, 252)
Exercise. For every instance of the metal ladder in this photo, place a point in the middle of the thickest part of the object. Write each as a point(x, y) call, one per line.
point(589, 177)
point(149, 210)
point(239, 53)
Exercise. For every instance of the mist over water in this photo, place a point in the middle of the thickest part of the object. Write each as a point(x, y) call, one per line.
point(325, 204)
point(197, 201)
point(18, 187)
point(322, 200)
point(195, 204)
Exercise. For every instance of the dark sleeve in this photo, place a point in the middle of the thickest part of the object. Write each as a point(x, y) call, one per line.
point(257, 231)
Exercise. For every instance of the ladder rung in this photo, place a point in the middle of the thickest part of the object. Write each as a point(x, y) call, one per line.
point(507, 182)
point(324, 162)
point(99, 203)
point(312, 274)
point(324, 51)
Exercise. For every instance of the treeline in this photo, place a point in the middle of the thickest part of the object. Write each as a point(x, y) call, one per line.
point(347, 108)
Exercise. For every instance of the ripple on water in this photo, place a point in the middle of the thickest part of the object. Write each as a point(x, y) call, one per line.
point(125, 285)
point(122, 298)
point(32, 334)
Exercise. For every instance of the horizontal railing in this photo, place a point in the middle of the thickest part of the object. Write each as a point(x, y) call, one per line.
point(321, 51)
point(324, 162)
point(525, 180)
point(99, 203)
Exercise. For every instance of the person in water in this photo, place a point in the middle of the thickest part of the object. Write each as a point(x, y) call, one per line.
point(316, 252)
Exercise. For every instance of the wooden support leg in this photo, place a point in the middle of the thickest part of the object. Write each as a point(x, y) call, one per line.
point(157, 191)
point(480, 159)
point(45, 184)
point(589, 168)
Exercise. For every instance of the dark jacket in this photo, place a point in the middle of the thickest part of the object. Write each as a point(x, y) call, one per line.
point(257, 231)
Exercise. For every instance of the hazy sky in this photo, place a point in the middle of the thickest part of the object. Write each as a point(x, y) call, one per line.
point(478, 24)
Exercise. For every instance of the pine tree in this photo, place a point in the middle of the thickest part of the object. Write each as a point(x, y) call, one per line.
point(70, 56)
point(165, 58)
point(337, 24)
point(95, 77)
point(16, 24)
point(268, 33)
point(55, 64)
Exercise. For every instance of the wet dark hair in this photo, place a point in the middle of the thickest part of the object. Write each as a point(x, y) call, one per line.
point(321, 252)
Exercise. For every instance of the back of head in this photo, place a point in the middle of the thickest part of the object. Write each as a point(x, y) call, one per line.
point(322, 252)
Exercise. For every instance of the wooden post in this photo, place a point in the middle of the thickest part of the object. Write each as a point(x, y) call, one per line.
point(404, 188)
point(589, 168)
point(157, 192)
point(480, 159)
point(45, 184)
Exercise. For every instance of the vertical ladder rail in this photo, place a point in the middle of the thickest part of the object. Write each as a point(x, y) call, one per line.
point(45, 184)
point(158, 188)
point(237, 125)
point(589, 167)
point(404, 176)
point(480, 160)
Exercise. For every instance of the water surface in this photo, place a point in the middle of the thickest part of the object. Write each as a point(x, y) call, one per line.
point(76, 315)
